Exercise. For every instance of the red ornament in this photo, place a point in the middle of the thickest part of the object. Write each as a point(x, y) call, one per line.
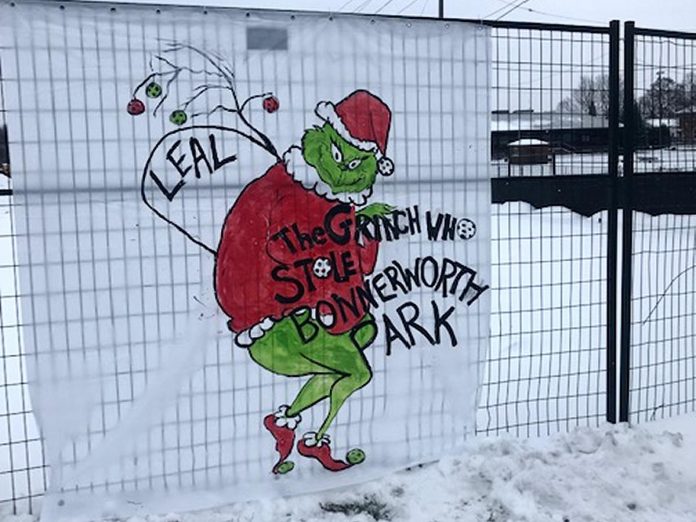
point(270, 104)
point(135, 107)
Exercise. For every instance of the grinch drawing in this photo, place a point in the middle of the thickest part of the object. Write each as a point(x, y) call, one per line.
point(288, 246)
point(336, 164)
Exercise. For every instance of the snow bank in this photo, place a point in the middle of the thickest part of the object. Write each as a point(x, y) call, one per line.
point(612, 473)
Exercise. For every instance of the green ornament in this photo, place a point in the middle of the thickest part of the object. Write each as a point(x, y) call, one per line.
point(285, 467)
point(355, 456)
point(178, 117)
point(153, 90)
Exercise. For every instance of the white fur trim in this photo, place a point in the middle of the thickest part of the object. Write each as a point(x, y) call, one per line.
point(310, 439)
point(243, 340)
point(327, 112)
point(247, 337)
point(326, 320)
point(282, 419)
point(309, 178)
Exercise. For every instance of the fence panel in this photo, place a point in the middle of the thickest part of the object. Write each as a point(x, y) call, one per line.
point(662, 254)
point(546, 370)
point(22, 469)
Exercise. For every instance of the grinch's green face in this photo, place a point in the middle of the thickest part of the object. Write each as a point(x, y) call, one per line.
point(342, 166)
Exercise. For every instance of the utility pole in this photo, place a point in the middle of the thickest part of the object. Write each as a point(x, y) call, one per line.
point(441, 9)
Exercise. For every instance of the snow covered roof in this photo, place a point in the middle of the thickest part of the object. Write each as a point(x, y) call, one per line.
point(527, 142)
point(529, 120)
point(672, 123)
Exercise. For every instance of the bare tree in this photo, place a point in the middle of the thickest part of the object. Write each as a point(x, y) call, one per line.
point(689, 89)
point(664, 98)
point(591, 97)
point(586, 98)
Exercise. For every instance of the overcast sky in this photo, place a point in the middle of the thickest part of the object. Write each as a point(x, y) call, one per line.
point(663, 14)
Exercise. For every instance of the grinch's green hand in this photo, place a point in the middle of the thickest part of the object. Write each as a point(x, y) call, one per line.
point(376, 209)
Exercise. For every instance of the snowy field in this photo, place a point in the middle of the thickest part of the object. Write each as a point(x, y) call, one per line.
point(609, 473)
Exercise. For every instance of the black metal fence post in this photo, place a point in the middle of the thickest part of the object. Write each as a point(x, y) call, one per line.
point(612, 235)
point(629, 131)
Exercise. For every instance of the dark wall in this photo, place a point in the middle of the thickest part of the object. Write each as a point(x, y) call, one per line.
point(4, 152)
point(687, 124)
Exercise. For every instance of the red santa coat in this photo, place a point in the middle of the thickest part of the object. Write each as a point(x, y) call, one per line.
point(258, 273)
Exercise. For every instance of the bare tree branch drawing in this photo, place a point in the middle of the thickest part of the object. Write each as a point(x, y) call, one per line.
point(218, 75)
point(199, 91)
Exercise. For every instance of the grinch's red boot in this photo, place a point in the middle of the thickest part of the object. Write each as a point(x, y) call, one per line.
point(319, 449)
point(282, 428)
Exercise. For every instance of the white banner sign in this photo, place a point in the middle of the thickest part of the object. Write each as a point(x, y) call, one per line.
point(254, 247)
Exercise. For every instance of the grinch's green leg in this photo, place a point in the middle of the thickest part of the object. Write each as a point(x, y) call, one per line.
point(280, 352)
point(316, 389)
point(344, 388)
point(336, 362)
point(346, 356)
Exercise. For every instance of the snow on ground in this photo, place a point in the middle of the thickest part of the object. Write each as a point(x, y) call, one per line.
point(610, 473)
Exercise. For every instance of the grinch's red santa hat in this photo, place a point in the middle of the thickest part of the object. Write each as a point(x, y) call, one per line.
point(363, 120)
